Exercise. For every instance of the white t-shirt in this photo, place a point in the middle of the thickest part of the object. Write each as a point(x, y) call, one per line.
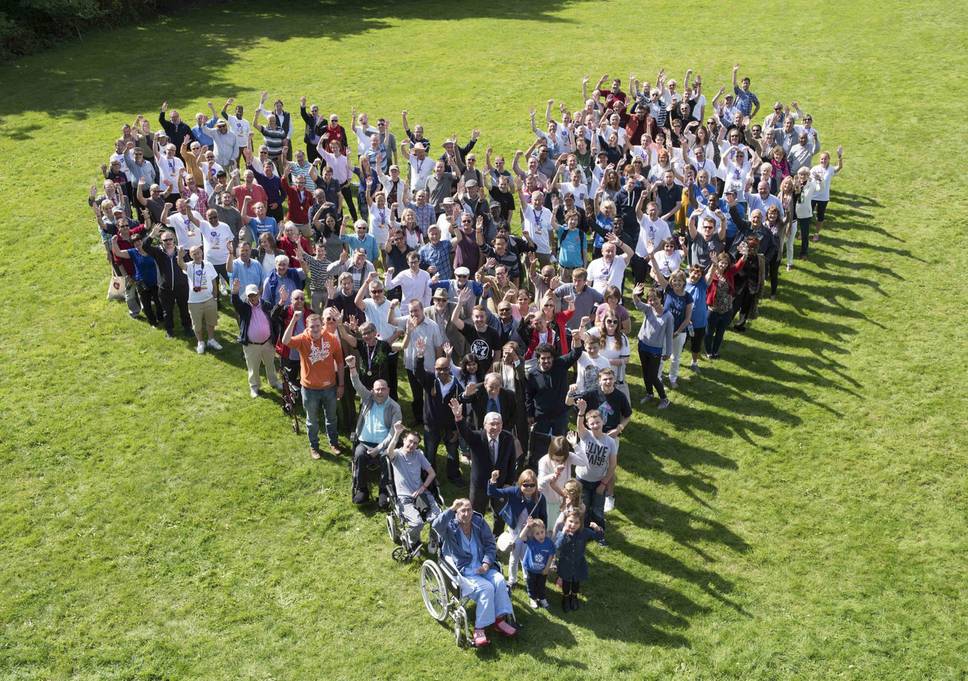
point(827, 175)
point(241, 128)
point(380, 224)
point(588, 370)
point(378, 315)
point(537, 225)
point(420, 171)
point(599, 452)
point(216, 239)
point(668, 262)
point(610, 351)
point(699, 107)
point(580, 192)
point(168, 171)
point(201, 277)
point(602, 274)
point(652, 232)
point(185, 231)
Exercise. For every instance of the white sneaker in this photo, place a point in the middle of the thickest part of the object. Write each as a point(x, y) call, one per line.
point(200, 348)
point(543, 603)
point(254, 392)
point(534, 604)
point(609, 503)
point(664, 404)
point(695, 367)
point(214, 344)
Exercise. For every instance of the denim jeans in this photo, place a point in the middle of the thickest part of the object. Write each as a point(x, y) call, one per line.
point(594, 503)
point(716, 329)
point(313, 400)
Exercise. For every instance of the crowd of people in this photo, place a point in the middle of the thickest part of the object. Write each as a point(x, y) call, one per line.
point(506, 290)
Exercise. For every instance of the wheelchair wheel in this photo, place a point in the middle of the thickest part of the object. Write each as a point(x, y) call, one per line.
point(392, 528)
point(401, 555)
point(461, 637)
point(433, 588)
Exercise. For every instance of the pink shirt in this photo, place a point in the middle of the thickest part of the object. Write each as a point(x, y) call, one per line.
point(259, 331)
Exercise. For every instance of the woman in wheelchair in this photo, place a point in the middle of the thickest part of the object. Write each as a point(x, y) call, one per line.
point(468, 544)
point(410, 485)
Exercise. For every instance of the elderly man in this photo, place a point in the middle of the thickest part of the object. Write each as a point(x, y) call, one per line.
point(374, 430)
point(226, 144)
point(283, 276)
point(609, 270)
point(202, 307)
point(256, 335)
point(536, 225)
point(493, 398)
point(321, 365)
point(492, 449)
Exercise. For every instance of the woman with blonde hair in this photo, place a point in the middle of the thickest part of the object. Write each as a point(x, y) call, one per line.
point(521, 502)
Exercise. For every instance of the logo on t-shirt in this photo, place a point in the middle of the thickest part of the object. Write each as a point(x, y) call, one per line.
point(318, 353)
point(481, 349)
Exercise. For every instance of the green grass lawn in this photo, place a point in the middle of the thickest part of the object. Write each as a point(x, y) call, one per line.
point(798, 513)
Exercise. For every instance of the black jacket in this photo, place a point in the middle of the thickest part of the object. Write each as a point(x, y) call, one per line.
point(437, 414)
point(245, 316)
point(481, 464)
point(506, 399)
point(172, 276)
point(546, 391)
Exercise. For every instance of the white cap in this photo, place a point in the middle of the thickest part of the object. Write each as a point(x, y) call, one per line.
point(251, 290)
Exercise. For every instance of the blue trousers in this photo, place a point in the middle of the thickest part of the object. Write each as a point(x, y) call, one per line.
point(313, 400)
point(490, 592)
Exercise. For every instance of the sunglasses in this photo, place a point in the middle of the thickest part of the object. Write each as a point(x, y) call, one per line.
point(527, 484)
point(611, 321)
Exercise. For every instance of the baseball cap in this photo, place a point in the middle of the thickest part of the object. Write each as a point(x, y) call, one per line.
point(251, 290)
point(462, 272)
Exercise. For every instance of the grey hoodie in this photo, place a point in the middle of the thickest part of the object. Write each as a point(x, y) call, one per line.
point(656, 331)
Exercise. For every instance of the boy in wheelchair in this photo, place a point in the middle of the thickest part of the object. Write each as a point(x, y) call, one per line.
point(467, 544)
point(411, 479)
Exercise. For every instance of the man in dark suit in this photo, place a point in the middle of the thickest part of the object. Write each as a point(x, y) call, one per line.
point(438, 390)
point(494, 397)
point(492, 449)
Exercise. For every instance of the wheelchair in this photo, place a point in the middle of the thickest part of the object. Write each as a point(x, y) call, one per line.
point(440, 589)
point(406, 550)
point(291, 398)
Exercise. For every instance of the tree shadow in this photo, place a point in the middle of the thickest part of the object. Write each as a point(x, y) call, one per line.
point(213, 36)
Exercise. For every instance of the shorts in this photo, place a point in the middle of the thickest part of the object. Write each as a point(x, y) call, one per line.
point(204, 315)
point(820, 208)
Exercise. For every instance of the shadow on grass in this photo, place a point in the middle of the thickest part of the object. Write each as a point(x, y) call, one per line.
point(213, 36)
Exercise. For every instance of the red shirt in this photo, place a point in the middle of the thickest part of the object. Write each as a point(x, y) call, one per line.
point(257, 193)
point(289, 248)
point(299, 203)
point(126, 263)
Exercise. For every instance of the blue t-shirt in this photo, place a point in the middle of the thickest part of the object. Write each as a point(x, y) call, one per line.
point(375, 427)
point(267, 224)
point(367, 243)
point(571, 245)
point(537, 554)
point(677, 305)
point(700, 312)
point(145, 269)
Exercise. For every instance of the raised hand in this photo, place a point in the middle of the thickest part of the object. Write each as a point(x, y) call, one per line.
point(447, 348)
point(456, 409)
point(582, 405)
point(495, 476)
point(351, 362)
point(398, 427)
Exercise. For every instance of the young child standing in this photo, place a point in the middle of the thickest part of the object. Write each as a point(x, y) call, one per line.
point(570, 556)
point(571, 500)
point(539, 550)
